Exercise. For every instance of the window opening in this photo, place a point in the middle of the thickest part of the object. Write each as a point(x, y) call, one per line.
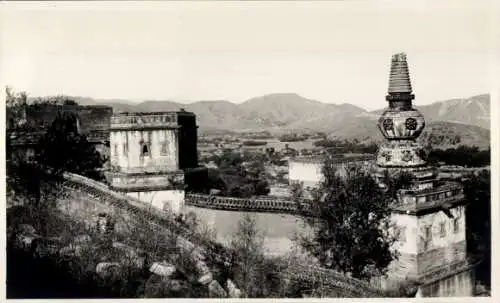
point(428, 238)
point(145, 150)
point(163, 148)
point(402, 234)
point(456, 225)
point(442, 229)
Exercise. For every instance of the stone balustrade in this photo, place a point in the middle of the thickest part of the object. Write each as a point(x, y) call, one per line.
point(129, 121)
point(414, 201)
point(242, 204)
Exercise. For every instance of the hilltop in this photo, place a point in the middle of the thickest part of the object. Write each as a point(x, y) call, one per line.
point(284, 112)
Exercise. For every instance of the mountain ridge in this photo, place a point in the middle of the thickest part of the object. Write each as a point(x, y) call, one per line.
point(285, 112)
point(481, 101)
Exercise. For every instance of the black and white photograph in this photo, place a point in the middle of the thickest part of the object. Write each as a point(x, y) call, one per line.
point(249, 149)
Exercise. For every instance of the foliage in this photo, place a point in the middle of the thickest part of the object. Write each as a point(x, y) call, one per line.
point(254, 143)
point(462, 156)
point(36, 188)
point(128, 280)
point(62, 148)
point(346, 146)
point(241, 178)
point(256, 276)
point(395, 182)
point(350, 220)
point(477, 190)
point(440, 136)
point(258, 136)
point(15, 104)
point(292, 137)
point(35, 183)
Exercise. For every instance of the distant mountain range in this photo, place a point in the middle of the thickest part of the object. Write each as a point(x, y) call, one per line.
point(290, 112)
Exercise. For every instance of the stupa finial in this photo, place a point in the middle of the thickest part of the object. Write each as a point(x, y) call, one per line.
point(399, 80)
point(400, 90)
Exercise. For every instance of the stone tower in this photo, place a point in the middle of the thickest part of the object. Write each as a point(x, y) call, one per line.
point(429, 217)
point(149, 154)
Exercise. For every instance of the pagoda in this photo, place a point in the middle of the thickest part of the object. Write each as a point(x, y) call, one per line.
point(429, 215)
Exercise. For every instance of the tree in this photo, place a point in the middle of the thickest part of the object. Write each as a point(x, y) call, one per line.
point(62, 148)
point(15, 104)
point(256, 176)
point(478, 216)
point(350, 220)
point(35, 187)
point(247, 245)
point(240, 181)
point(254, 274)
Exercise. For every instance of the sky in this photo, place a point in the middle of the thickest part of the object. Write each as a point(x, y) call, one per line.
point(330, 51)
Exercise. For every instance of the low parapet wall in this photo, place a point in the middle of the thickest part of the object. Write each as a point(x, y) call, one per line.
point(333, 282)
point(101, 193)
point(250, 204)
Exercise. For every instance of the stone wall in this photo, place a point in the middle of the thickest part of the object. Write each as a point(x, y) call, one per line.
point(91, 118)
point(458, 285)
point(430, 243)
point(165, 200)
point(93, 122)
point(308, 170)
point(126, 148)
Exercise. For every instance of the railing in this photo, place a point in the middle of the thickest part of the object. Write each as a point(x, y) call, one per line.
point(432, 197)
point(335, 160)
point(242, 204)
point(141, 120)
point(437, 274)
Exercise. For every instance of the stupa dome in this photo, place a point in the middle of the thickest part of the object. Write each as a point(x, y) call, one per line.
point(401, 125)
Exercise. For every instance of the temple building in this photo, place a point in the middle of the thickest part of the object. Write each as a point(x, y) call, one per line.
point(429, 216)
point(27, 123)
point(308, 169)
point(151, 154)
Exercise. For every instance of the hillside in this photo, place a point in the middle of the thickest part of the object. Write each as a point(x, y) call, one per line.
point(473, 110)
point(293, 111)
point(468, 117)
point(438, 134)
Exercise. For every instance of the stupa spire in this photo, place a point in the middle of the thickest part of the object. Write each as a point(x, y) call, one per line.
point(400, 92)
point(399, 79)
point(401, 124)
